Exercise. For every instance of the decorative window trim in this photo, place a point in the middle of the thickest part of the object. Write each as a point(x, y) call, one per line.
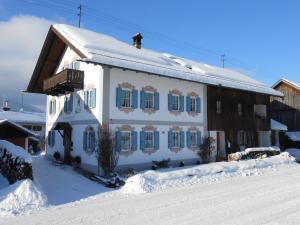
point(193, 129)
point(150, 151)
point(153, 90)
point(127, 86)
point(178, 93)
point(193, 95)
point(176, 129)
point(126, 128)
point(89, 89)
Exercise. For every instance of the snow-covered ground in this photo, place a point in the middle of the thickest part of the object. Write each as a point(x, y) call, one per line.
point(246, 192)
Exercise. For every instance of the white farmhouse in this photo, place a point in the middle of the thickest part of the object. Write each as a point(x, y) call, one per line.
point(155, 104)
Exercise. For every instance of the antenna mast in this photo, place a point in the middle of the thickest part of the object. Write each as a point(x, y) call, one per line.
point(79, 8)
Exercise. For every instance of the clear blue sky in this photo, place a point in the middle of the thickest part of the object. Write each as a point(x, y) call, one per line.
point(260, 37)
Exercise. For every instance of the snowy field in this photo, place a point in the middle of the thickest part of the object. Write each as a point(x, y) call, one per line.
point(265, 191)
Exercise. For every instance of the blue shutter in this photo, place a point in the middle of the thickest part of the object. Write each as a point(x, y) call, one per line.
point(65, 104)
point(50, 107)
point(133, 140)
point(170, 102)
point(84, 140)
point(142, 140)
point(93, 98)
point(93, 140)
point(49, 138)
point(71, 103)
point(134, 102)
point(85, 99)
point(181, 139)
point(118, 97)
point(53, 138)
point(199, 138)
point(156, 140)
point(188, 103)
point(156, 101)
point(118, 146)
point(198, 105)
point(170, 144)
point(181, 103)
point(142, 102)
point(188, 139)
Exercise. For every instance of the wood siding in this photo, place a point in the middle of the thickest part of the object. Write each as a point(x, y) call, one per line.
point(229, 119)
point(287, 110)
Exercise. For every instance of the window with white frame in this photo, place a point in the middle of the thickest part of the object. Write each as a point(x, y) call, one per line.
point(68, 107)
point(52, 107)
point(90, 98)
point(193, 138)
point(193, 103)
point(176, 139)
point(126, 98)
point(89, 141)
point(149, 100)
point(149, 139)
point(126, 140)
point(175, 102)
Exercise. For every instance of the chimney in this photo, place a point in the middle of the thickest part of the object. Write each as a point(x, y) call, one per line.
point(137, 40)
point(5, 106)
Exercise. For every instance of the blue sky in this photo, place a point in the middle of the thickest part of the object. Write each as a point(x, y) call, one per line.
point(259, 37)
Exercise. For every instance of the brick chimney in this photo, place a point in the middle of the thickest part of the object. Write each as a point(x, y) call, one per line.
point(137, 40)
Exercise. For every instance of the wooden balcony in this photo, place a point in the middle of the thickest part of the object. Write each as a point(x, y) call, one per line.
point(64, 82)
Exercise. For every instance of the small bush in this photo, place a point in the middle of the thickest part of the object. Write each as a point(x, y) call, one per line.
point(206, 148)
point(181, 164)
point(56, 155)
point(198, 162)
point(76, 161)
point(162, 164)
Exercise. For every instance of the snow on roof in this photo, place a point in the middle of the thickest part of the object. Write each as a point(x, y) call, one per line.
point(23, 117)
point(294, 136)
point(284, 80)
point(15, 150)
point(275, 125)
point(18, 126)
point(103, 49)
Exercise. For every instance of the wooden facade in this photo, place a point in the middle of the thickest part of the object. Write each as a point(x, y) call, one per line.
point(232, 118)
point(287, 109)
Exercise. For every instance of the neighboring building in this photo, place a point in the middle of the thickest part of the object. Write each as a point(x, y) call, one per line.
point(32, 121)
point(16, 134)
point(287, 109)
point(157, 105)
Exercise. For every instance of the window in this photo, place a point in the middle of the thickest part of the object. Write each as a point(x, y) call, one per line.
point(149, 139)
point(219, 107)
point(68, 105)
point(242, 138)
point(126, 140)
point(90, 98)
point(240, 109)
point(126, 98)
point(51, 138)
point(193, 104)
point(36, 128)
point(149, 100)
point(73, 65)
point(29, 127)
point(193, 139)
point(89, 139)
point(176, 139)
point(52, 107)
point(175, 103)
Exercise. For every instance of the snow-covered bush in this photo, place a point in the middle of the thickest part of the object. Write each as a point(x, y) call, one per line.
point(206, 149)
point(15, 162)
point(56, 155)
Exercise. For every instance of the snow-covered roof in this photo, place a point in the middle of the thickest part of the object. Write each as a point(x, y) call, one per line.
point(291, 83)
point(18, 126)
point(294, 136)
point(23, 117)
point(103, 49)
point(275, 125)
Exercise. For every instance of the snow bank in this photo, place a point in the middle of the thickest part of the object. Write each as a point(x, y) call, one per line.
point(16, 151)
point(157, 180)
point(294, 136)
point(21, 197)
point(295, 152)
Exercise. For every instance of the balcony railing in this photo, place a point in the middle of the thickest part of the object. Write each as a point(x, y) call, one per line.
point(63, 82)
